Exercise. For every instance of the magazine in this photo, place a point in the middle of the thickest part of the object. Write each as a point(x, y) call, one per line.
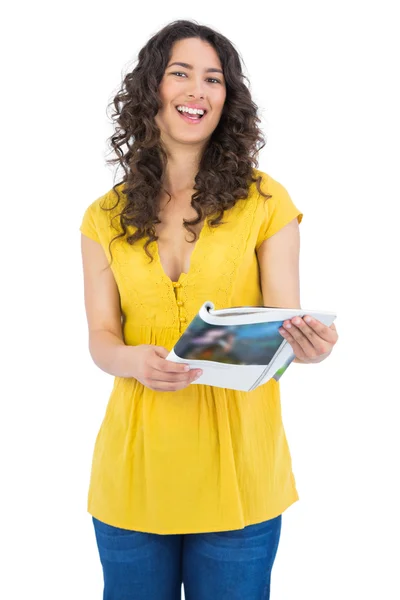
point(239, 348)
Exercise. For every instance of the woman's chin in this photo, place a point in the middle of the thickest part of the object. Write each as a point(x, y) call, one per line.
point(190, 137)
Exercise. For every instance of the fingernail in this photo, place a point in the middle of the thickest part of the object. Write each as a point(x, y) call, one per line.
point(198, 374)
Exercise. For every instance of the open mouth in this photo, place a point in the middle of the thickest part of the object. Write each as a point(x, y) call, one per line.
point(190, 118)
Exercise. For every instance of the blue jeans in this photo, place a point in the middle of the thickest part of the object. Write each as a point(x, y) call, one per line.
point(225, 565)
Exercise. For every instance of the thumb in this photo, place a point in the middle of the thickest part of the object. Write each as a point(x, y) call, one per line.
point(161, 351)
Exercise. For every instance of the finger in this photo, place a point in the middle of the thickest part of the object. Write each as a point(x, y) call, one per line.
point(161, 351)
point(160, 376)
point(297, 349)
point(323, 331)
point(169, 366)
point(301, 339)
point(172, 377)
point(166, 386)
point(320, 345)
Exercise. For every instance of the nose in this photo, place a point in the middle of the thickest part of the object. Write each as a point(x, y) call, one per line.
point(195, 87)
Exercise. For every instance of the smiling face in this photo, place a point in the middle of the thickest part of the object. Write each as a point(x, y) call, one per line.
point(198, 82)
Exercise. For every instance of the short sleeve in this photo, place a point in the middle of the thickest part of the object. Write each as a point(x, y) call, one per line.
point(277, 211)
point(88, 225)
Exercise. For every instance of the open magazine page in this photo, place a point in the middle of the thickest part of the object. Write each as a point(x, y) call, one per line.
point(281, 361)
point(234, 377)
point(283, 368)
point(239, 344)
point(237, 348)
point(252, 314)
point(231, 354)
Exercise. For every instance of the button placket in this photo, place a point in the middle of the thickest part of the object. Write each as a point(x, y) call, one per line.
point(180, 304)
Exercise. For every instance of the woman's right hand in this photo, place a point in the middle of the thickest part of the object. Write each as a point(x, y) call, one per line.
point(151, 368)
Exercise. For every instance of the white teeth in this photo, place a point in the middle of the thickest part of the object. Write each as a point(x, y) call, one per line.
point(192, 111)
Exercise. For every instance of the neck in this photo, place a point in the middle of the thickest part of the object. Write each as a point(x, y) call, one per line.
point(182, 168)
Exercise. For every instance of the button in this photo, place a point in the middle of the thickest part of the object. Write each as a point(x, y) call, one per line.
point(180, 303)
point(182, 319)
point(176, 284)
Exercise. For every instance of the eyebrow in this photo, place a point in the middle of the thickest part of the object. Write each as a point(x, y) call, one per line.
point(182, 64)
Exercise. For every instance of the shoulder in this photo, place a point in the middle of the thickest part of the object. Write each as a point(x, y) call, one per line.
point(264, 195)
point(106, 207)
point(268, 185)
point(274, 208)
point(100, 219)
point(111, 201)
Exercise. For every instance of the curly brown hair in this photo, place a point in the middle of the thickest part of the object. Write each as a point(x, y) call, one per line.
point(227, 162)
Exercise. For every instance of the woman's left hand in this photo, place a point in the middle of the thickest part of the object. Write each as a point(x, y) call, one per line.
point(311, 341)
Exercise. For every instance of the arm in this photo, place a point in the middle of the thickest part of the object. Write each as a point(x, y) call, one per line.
point(102, 305)
point(278, 258)
point(146, 363)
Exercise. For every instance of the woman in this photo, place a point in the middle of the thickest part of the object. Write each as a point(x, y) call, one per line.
point(188, 482)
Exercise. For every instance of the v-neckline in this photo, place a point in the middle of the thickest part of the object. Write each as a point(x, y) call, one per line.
point(192, 259)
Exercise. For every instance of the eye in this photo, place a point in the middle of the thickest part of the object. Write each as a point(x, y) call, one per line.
point(209, 78)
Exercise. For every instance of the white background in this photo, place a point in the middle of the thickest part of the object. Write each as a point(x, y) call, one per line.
point(325, 77)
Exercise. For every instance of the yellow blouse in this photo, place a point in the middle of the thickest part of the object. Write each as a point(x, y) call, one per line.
point(204, 458)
